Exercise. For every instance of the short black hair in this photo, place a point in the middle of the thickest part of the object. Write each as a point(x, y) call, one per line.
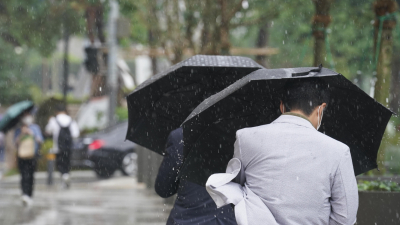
point(305, 94)
point(60, 107)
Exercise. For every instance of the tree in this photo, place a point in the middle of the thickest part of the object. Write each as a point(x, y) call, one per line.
point(384, 25)
point(320, 22)
point(24, 25)
point(94, 26)
point(29, 23)
point(383, 44)
point(265, 12)
point(13, 86)
point(201, 27)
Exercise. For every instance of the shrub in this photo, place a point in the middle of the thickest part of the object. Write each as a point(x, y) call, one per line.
point(121, 113)
point(44, 150)
point(378, 186)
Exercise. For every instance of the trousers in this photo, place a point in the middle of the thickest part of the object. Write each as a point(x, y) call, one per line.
point(63, 161)
point(27, 169)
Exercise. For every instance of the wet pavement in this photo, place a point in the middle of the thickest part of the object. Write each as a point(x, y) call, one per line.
point(117, 201)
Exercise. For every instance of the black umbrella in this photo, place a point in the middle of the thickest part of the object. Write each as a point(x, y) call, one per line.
point(351, 117)
point(163, 102)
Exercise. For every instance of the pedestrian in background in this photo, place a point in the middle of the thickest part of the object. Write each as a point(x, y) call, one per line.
point(63, 129)
point(27, 138)
point(193, 204)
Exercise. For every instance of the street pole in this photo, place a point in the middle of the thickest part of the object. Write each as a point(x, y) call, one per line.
point(112, 77)
point(65, 62)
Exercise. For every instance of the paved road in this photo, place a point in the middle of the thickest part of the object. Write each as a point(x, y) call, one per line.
point(116, 201)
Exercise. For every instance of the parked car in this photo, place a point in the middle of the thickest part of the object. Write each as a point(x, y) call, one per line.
point(106, 151)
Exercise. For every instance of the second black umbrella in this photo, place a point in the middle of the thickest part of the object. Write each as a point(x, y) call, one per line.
point(352, 117)
point(163, 102)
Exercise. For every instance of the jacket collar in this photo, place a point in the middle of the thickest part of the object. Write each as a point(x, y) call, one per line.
point(294, 120)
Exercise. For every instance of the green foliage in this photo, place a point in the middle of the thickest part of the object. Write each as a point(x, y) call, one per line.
point(36, 94)
point(11, 172)
point(46, 110)
point(139, 30)
point(122, 113)
point(44, 150)
point(70, 99)
point(28, 25)
point(350, 36)
point(23, 23)
point(378, 186)
point(86, 131)
point(392, 158)
point(13, 84)
point(37, 23)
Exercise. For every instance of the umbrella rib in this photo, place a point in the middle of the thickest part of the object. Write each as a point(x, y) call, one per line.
point(237, 117)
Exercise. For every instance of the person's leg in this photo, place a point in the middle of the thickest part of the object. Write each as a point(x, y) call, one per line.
point(20, 169)
point(66, 169)
point(67, 161)
point(31, 168)
point(24, 168)
point(63, 165)
point(23, 171)
point(60, 162)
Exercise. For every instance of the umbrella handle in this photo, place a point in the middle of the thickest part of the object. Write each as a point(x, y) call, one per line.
point(317, 70)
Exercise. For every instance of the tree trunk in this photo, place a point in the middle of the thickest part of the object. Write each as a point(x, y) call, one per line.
point(98, 87)
point(224, 28)
point(262, 42)
point(383, 67)
point(385, 52)
point(320, 22)
point(395, 89)
point(384, 63)
point(90, 22)
point(225, 43)
point(94, 27)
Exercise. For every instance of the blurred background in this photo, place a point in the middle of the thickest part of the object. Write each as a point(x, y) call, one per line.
point(89, 54)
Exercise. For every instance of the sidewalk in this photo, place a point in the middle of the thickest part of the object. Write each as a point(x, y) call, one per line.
point(116, 201)
point(85, 176)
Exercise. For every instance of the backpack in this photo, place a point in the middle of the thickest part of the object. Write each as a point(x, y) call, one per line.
point(26, 147)
point(64, 138)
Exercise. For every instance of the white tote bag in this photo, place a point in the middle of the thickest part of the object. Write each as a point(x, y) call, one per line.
point(26, 148)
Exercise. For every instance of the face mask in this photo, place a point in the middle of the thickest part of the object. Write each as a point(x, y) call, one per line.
point(320, 121)
point(27, 120)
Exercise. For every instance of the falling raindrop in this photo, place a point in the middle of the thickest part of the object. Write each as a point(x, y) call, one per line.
point(245, 4)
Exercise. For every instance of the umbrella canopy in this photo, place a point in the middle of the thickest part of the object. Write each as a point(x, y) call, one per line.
point(10, 118)
point(352, 117)
point(163, 102)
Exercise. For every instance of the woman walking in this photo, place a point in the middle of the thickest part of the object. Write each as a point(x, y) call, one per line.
point(27, 139)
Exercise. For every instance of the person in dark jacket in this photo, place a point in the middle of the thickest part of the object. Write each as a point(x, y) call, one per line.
point(193, 204)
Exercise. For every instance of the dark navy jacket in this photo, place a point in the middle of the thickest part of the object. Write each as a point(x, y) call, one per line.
point(193, 204)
